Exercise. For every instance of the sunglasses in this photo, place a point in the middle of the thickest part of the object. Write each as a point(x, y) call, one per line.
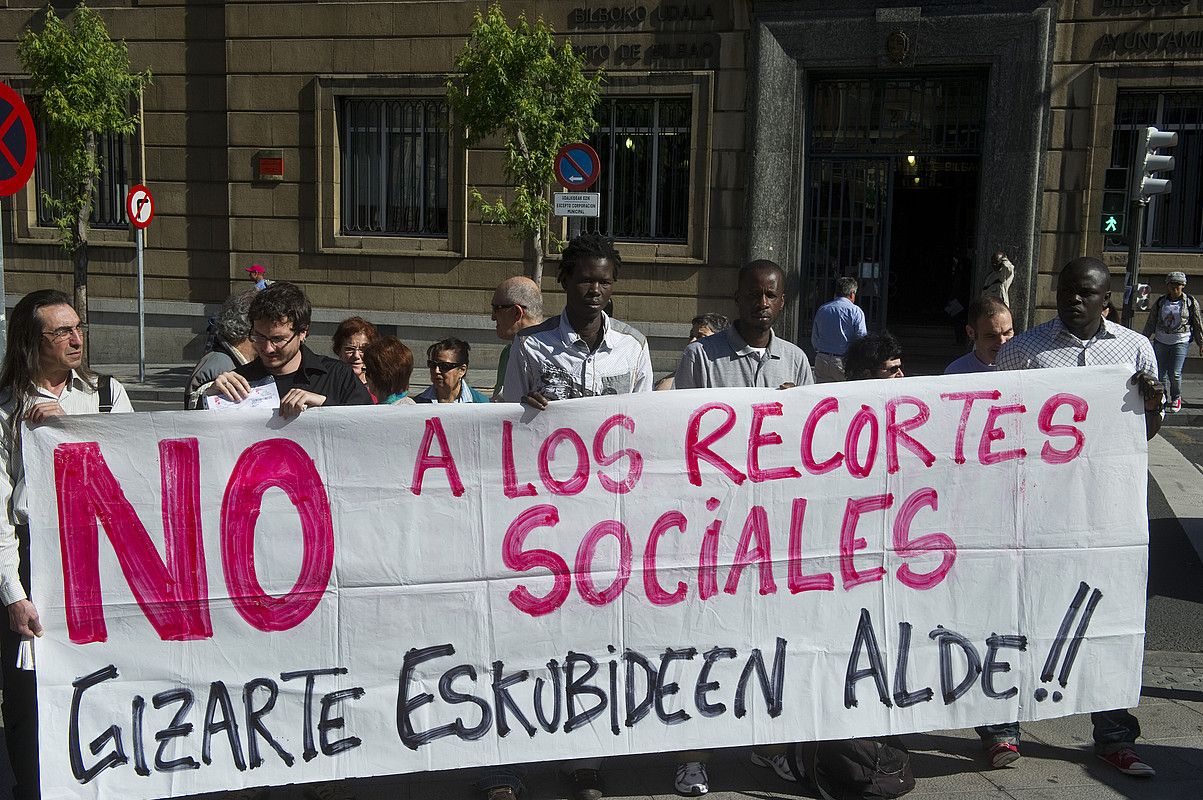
point(444, 366)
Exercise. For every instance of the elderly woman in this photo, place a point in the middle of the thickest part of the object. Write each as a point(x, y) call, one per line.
point(448, 362)
point(231, 348)
point(350, 338)
point(388, 363)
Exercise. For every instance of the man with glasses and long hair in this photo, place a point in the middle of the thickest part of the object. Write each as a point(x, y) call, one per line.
point(279, 325)
point(43, 376)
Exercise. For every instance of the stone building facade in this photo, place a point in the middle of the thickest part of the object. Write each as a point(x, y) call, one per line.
point(903, 144)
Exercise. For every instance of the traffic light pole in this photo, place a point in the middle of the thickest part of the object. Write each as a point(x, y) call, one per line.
point(1136, 227)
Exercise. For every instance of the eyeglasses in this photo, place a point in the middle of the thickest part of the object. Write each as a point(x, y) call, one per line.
point(58, 334)
point(259, 340)
point(503, 307)
point(444, 366)
point(350, 352)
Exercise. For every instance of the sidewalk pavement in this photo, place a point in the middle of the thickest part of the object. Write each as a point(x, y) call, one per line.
point(1057, 762)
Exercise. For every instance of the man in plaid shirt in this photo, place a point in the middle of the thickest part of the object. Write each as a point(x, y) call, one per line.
point(1080, 336)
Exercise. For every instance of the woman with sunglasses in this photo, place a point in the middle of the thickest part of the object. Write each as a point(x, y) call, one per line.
point(448, 362)
point(350, 338)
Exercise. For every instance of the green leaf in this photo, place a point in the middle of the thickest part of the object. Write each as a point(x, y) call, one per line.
point(84, 87)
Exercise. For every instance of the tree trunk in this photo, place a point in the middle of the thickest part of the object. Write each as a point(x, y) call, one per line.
point(79, 236)
point(536, 237)
point(536, 243)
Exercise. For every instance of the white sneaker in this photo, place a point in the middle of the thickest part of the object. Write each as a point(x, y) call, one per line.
point(691, 779)
point(777, 763)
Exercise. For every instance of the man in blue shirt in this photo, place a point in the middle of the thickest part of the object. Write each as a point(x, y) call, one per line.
point(989, 328)
point(836, 325)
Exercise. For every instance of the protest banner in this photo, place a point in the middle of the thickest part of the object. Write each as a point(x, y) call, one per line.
point(240, 600)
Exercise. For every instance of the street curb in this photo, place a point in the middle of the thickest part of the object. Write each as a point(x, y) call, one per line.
point(1184, 419)
point(1167, 658)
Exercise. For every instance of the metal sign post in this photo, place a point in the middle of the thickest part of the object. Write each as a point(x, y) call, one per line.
point(140, 206)
point(141, 310)
point(3, 305)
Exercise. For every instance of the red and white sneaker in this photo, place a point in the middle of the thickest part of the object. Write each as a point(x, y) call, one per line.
point(1127, 762)
point(1176, 406)
point(1002, 754)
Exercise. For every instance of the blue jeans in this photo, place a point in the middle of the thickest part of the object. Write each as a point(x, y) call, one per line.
point(1170, 358)
point(1113, 730)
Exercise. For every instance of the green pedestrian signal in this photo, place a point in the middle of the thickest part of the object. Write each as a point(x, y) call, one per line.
point(1113, 224)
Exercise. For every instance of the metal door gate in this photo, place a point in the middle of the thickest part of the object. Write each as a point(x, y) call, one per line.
point(860, 130)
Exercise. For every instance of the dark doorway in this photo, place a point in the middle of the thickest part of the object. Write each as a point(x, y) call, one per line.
point(932, 229)
point(891, 199)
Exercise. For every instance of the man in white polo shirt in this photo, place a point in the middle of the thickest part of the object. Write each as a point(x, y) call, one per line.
point(583, 352)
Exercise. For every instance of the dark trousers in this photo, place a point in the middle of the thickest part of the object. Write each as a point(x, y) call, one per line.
point(1113, 730)
point(20, 703)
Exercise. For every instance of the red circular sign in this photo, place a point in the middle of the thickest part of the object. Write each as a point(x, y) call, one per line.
point(18, 142)
point(577, 166)
point(139, 206)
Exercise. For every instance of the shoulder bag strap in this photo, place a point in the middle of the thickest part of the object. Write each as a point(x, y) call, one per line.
point(104, 385)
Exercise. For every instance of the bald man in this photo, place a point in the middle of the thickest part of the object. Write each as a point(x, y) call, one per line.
point(517, 305)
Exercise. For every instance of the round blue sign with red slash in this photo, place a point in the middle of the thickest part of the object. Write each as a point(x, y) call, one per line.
point(18, 142)
point(577, 166)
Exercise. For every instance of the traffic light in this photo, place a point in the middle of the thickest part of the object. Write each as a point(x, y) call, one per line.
point(1149, 161)
point(1140, 302)
point(1115, 202)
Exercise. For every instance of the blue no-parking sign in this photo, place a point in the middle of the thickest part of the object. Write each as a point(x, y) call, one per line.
point(577, 166)
point(18, 142)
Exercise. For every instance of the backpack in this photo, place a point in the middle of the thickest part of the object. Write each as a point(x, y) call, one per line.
point(854, 769)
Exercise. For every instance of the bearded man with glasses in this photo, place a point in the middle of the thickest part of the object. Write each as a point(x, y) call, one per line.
point(43, 377)
point(280, 316)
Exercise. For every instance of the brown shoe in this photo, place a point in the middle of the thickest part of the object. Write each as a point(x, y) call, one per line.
point(586, 785)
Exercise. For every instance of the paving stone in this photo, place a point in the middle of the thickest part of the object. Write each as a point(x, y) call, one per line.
point(1175, 677)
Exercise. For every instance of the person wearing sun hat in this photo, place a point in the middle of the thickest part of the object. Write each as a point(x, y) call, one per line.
point(1173, 323)
point(258, 274)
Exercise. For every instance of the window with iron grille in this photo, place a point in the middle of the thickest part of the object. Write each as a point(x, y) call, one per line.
point(394, 167)
point(926, 114)
point(1173, 221)
point(108, 197)
point(644, 146)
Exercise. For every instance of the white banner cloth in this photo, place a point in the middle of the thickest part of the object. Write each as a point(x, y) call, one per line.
point(366, 591)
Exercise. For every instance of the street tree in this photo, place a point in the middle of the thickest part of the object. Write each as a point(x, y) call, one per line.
point(83, 86)
point(518, 84)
